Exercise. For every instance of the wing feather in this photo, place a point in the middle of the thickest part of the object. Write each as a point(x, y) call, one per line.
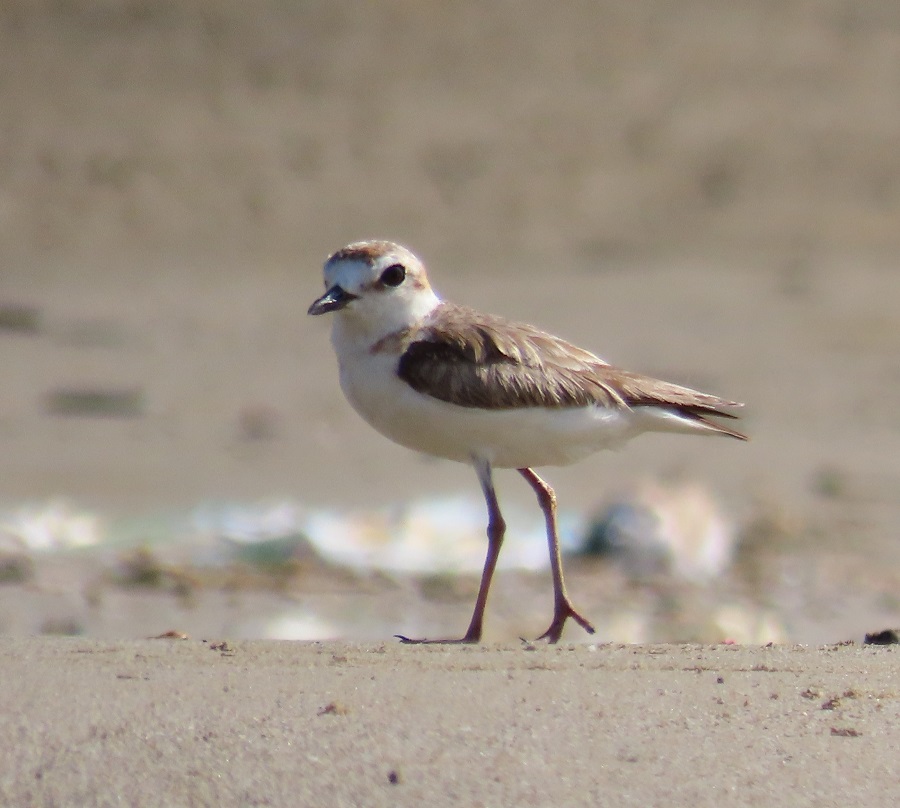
point(471, 359)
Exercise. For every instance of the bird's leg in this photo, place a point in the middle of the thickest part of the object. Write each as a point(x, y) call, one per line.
point(562, 606)
point(495, 531)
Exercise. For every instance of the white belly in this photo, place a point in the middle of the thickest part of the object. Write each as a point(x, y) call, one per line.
point(509, 438)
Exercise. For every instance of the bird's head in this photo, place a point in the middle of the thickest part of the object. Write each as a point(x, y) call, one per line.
point(376, 286)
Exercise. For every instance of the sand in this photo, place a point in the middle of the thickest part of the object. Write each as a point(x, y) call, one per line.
point(287, 724)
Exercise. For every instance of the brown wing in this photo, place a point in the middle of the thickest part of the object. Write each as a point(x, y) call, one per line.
point(476, 360)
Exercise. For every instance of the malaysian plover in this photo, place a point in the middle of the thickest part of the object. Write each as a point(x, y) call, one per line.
point(453, 382)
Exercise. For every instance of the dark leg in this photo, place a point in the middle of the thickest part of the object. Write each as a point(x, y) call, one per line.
point(562, 606)
point(495, 531)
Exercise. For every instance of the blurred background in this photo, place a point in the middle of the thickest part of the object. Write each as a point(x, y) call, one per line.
point(703, 191)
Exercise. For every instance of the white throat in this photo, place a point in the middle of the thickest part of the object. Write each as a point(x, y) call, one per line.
point(361, 329)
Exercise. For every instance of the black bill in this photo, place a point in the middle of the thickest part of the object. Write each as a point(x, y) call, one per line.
point(333, 300)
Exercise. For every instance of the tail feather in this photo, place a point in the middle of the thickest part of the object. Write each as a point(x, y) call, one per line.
point(674, 417)
point(704, 418)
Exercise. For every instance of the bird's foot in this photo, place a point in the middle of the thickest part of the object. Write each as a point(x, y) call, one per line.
point(562, 612)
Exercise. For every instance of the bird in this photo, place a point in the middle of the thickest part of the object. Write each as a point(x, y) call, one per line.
point(453, 382)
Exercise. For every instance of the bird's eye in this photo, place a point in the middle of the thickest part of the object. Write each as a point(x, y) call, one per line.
point(394, 275)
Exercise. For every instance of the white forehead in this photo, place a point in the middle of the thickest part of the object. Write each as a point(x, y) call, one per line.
point(362, 263)
point(349, 273)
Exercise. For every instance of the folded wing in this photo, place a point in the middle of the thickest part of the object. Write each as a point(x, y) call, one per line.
point(471, 359)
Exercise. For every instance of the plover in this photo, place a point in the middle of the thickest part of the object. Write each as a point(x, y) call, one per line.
point(453, 382)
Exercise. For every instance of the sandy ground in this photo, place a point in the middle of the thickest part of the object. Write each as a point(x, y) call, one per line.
point(286, 724)
point(704, 191)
